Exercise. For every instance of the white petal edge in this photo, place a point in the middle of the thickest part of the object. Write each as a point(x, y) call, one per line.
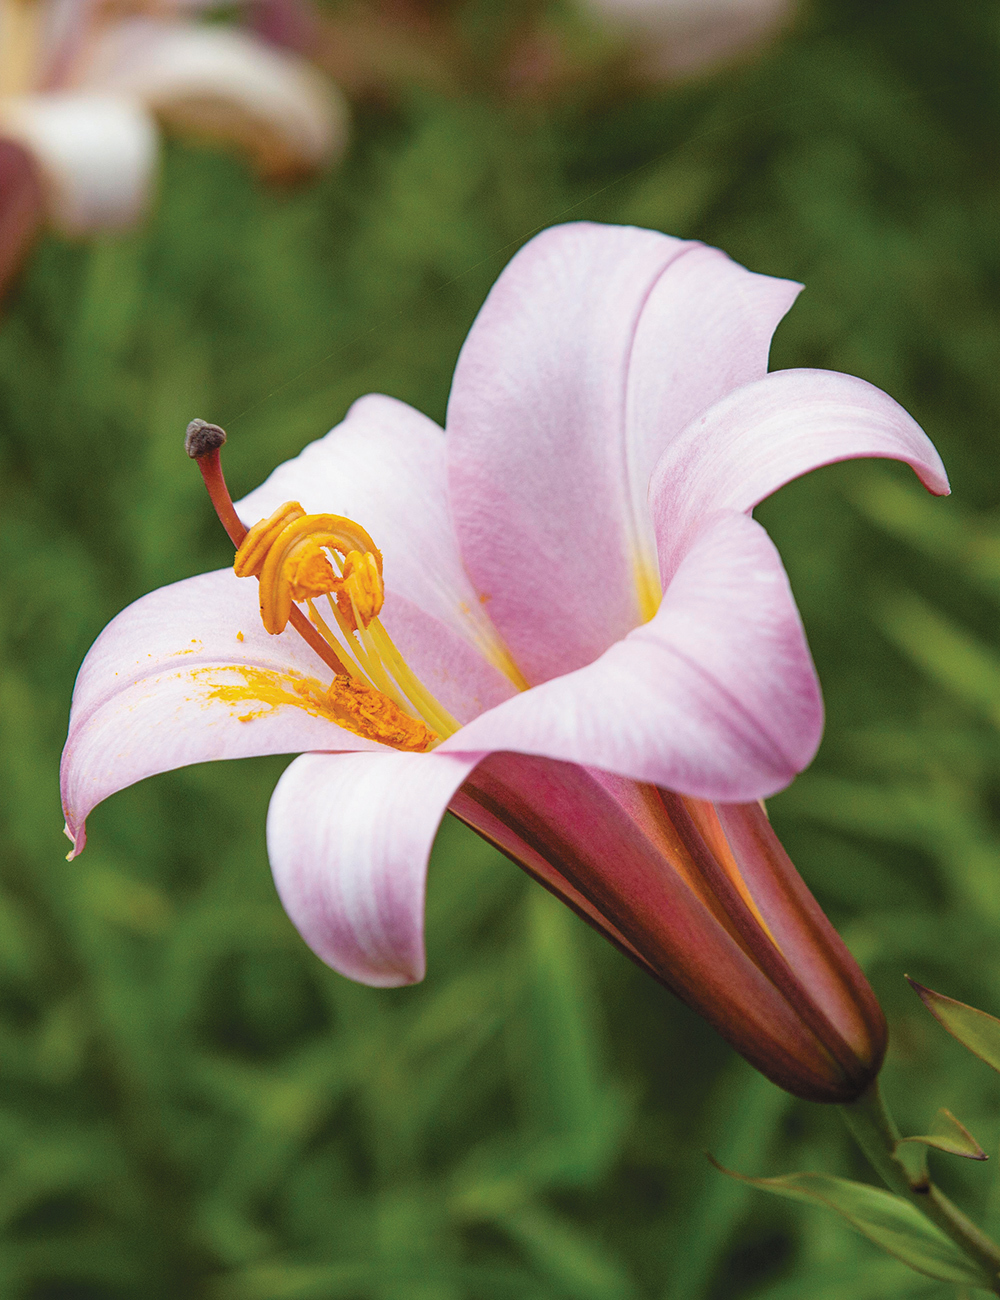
point(147, 697)
point(225, 83)
point(97, 154)
point(767, 433)
point(349, 837)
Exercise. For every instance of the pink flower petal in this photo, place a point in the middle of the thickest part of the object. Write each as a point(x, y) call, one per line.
point(705, 331)
point(384, 466)
point(152, 693)
point(715, 697)
point(594, 348)
point(761, 436)
point(349, 836)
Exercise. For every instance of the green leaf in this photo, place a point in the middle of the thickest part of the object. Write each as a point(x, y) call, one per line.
point(885, 1219)
point(950, 1136)
point(976, 1030)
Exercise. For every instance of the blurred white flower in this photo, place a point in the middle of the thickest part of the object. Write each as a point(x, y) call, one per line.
point(83, 82)
point(680, 37)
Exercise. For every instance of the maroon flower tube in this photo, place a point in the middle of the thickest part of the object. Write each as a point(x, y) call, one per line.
point(704, 898)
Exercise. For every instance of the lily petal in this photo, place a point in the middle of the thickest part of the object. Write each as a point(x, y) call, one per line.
point(97, 154)
point(705, 331)
point(594, 348)
point(185, 675)
point(349, 836)
point(384, 466)
point(715, 697)
point(763, 435)
point(222, 83)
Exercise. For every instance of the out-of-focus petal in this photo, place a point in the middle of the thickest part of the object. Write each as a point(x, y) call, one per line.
point(291, 24)
point(184, 675)
point(680, 37)
point(349, 836)
point(596, 347)
point(225, 84)
point(747, 445)
point(384, 466)
point(21, 206)
point(97, 154)
point(715, 697)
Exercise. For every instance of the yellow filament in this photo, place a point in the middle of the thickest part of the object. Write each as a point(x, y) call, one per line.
point(373, 664)
point(327, 634)
point(425, 703)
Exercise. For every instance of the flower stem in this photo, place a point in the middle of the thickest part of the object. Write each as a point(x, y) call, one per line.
point(875, 1132)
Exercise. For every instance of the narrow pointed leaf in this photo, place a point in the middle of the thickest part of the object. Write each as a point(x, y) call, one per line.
point(976, 1030)
point(951, 1136)
point(887, 1220)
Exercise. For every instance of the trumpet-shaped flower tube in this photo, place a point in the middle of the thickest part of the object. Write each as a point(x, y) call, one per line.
point(557, 619)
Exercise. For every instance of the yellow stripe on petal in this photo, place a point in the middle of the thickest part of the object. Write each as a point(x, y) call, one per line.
point(649, 592)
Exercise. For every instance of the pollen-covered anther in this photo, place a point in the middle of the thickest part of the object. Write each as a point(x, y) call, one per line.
point(289, 553)
point(299, 557)
point(310, 572)
point(255, 546)
point(363, 592)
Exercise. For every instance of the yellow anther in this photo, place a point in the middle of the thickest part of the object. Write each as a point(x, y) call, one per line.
point(299, 557)
point(255, 546)
point(310, 572)
point(363, 592)
point(287, 552)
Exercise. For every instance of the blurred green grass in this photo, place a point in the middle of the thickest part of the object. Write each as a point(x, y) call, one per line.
point(190, 1104)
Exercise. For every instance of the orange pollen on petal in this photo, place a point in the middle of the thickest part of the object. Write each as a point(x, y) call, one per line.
point(348, 703)
point(298, 557)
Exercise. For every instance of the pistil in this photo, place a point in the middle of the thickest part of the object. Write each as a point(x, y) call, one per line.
point(301, 558)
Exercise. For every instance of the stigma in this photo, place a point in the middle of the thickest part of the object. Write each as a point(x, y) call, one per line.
point(330, 565)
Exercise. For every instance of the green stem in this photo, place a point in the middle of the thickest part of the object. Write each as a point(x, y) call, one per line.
point(876, 1134)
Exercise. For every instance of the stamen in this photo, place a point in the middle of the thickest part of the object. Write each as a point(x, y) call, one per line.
point(299, 557)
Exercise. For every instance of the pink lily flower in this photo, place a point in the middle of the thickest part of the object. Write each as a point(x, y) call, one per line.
point(85, 83)
point(583, 645)
point(678, 38)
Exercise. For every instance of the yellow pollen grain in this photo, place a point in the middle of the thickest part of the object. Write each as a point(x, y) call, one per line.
point(349, 704)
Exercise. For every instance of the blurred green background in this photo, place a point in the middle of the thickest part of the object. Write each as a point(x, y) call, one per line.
point(190, 1103)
